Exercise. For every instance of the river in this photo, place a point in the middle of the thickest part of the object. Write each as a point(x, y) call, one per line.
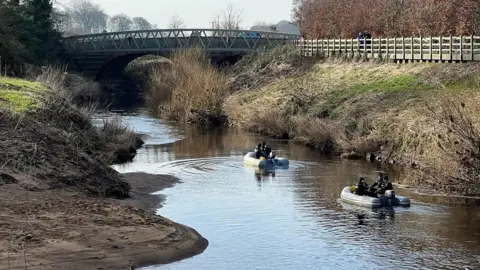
point(293, 219)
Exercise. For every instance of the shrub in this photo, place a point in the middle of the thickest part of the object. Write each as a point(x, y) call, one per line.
point(191, 90)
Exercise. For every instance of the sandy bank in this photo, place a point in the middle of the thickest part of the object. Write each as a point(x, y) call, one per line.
point(68, 230)
point(63, 206)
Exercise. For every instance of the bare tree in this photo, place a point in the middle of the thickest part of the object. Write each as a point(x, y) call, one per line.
point(120, 22)
point(176, 22)
point(83, 17)
point(140, 23)
point(230, 18)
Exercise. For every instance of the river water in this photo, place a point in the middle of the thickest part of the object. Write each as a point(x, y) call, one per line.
point(293, 219)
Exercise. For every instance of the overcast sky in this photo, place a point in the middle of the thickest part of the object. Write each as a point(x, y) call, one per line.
point(198, 13)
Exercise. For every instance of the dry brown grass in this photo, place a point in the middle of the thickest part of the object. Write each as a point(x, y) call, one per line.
point(192, 90)
point(74, 87)
point(120, 143)
point(399, 112)
point(55, 145)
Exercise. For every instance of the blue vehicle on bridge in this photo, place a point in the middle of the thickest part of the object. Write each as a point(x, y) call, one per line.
point(250, 35)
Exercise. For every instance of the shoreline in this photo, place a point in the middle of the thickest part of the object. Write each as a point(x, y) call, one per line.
point(68, 230)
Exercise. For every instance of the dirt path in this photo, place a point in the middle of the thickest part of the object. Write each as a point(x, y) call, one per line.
point(68, 230)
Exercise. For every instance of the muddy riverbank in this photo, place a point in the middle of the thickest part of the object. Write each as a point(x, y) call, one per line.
point(64, 207)
point(68, 230)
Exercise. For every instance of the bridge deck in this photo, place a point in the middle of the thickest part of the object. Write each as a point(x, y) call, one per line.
point(167, 40)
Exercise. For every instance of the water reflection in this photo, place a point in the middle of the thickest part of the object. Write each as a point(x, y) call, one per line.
point(293, 218)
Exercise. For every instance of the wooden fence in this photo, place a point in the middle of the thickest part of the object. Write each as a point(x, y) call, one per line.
point(464, 48)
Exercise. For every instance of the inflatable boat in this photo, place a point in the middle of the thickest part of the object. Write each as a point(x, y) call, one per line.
point(264, 163)
point(388, 200)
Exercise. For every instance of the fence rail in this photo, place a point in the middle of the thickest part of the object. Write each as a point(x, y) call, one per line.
point(463, 48)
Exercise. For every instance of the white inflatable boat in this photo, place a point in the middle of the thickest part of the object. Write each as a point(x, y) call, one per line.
point(387, 200)
point(264, 163)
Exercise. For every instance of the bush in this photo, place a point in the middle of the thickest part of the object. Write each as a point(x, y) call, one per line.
point(191, 90)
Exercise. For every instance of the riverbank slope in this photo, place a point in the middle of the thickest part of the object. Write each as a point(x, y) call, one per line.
point(423, 115)
point(63, 206)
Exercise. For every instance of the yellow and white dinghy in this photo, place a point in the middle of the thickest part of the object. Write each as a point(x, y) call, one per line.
point(263, 162)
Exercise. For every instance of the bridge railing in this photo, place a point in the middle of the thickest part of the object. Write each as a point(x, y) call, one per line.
point(169, 39)
point(462, 48)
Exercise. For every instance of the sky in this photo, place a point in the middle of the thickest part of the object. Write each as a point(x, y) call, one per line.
point(199, 13)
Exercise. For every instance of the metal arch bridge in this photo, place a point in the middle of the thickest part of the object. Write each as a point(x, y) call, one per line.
point(171, 39)
point(90, 53)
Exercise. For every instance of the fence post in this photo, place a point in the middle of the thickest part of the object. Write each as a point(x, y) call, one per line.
point(388, 48)
point(301, 44)
point(421, 48)
point(471, 47)
point(328, 47)
point(352, 52)
point(431, 49)
point(341, 47)
point(395, 48)
point(403, 48)
point(411, 49)
point(451, 44)
point(461, 48)
point(441, 48)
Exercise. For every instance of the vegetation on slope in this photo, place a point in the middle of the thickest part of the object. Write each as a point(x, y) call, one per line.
point(421, 115)
point(190, 89)
point(48, 142)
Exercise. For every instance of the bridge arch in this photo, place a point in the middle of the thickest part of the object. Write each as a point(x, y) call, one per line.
point(113, 68)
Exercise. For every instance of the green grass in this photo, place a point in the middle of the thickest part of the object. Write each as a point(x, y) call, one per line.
point(19, 95)
point(399, 82)
point(20, 85)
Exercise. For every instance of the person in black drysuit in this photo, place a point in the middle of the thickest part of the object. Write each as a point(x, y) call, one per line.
point(379, 183)
point(258, 151)
point(386, 185)
point(268, 150)
point(361, 188)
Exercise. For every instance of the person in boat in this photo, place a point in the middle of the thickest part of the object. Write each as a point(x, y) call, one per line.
point(258, 151)
point(386, 185)
point(375, 186)
point(268, 150)
point(361, 188)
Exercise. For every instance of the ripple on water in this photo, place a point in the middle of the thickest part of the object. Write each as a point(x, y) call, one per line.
point(295, 219)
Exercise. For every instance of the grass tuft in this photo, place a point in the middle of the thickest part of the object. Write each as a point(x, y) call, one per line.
point(191, 89)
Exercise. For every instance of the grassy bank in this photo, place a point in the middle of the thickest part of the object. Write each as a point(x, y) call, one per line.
point(59, 195)
point(48, 141)
point(421, 115)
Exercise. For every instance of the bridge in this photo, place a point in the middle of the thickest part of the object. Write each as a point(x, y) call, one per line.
point(103, 56)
